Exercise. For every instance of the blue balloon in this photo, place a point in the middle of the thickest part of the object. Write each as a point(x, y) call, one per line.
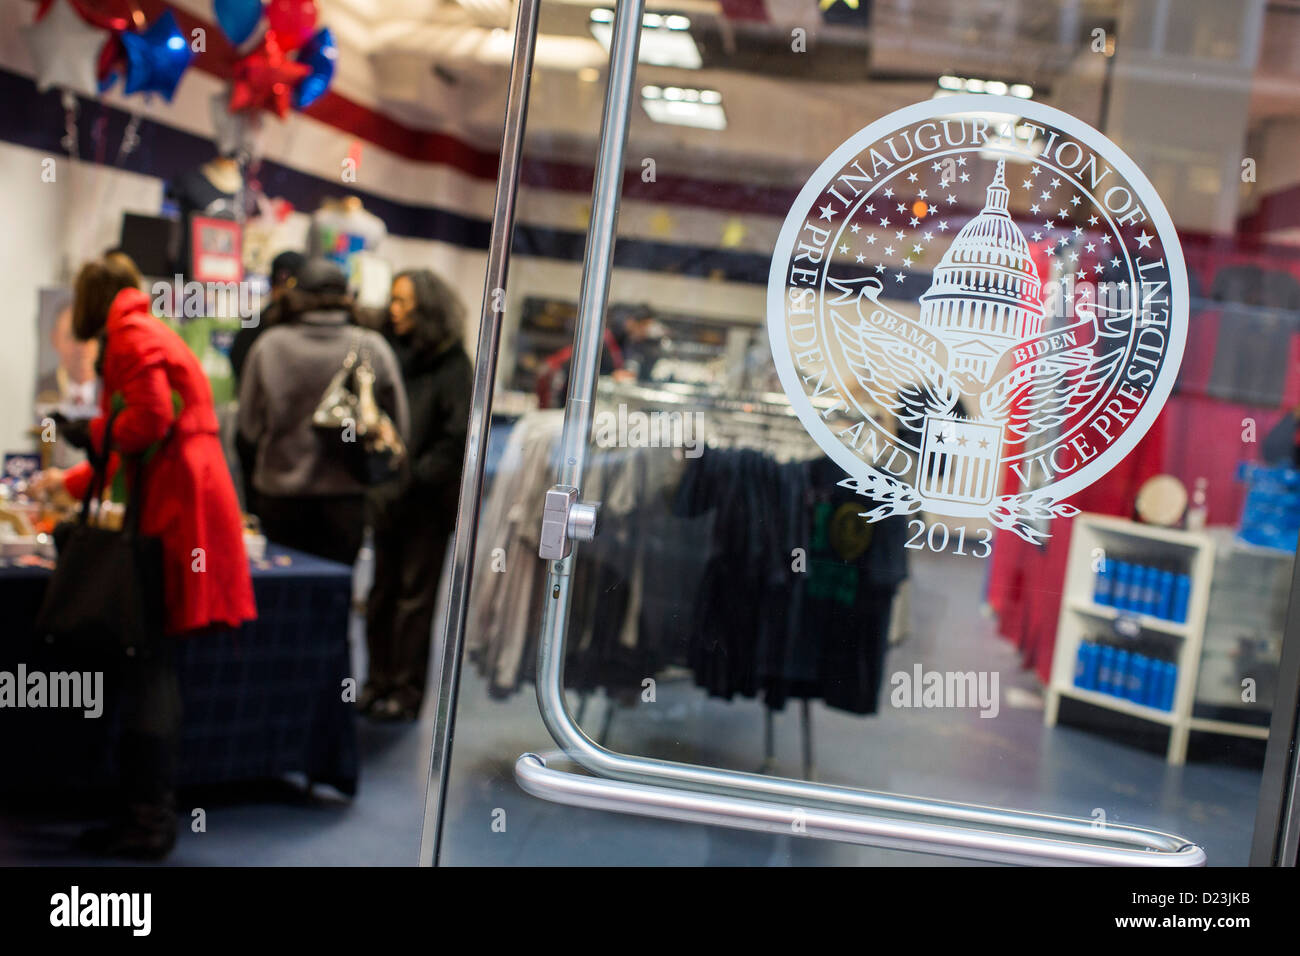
point(320, 54)
point(238, 18)
point(156, 58)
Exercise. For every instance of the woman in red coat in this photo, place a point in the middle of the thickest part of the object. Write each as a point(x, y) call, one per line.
point(189, 503)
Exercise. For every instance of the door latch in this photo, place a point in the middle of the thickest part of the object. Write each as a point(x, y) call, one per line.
point(565, 519)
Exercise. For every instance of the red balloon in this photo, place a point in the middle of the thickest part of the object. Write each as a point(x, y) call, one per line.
point(115, 15)
point(265, 79)
point(294, 21)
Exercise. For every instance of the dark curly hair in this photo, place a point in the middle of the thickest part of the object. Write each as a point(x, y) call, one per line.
point(439, 314)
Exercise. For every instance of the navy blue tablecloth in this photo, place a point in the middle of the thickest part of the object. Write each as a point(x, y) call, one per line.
point(259, 702)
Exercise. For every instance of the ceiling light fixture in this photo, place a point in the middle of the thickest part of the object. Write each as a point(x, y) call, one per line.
point(684, 106)
point(950, 85)
point(665, 38)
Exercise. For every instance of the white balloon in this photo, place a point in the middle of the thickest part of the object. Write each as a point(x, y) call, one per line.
point(65, 49)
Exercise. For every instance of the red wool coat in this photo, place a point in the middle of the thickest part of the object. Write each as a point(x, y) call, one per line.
point(189, 499)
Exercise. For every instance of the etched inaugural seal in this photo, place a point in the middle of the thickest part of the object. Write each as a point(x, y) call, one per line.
point(977, 307)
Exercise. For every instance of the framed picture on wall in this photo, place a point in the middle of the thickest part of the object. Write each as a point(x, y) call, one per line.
point(216, 254)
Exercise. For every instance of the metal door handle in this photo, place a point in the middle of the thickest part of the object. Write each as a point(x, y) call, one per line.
point(535, 776)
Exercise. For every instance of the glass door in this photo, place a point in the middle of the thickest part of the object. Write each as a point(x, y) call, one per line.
point(885, 440)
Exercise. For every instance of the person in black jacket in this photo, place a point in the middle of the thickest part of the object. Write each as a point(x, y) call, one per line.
point(413, 516)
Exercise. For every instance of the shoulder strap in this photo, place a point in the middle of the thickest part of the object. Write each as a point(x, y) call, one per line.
point(99, 464)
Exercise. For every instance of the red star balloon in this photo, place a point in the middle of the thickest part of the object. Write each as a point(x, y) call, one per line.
point(266, 79)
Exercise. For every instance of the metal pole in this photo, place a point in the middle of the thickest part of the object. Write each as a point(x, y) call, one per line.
point(471, 487)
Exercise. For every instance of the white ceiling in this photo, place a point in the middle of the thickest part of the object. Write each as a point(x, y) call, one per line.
point(442, 64)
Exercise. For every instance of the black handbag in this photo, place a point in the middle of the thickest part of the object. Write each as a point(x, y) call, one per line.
point(105, 597)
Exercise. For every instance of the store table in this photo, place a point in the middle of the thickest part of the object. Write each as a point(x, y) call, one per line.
point(259, 702)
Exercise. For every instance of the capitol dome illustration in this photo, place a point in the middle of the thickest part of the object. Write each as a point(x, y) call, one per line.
point(986, 294)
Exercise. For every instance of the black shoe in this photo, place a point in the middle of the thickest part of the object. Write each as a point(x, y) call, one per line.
point(394, 709)
point(368, 699)
point(146, 832)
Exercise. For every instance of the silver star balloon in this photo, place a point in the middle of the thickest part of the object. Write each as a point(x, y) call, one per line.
point(65, 49)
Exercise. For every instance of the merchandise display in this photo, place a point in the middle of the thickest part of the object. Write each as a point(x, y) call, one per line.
point(1122, 672)
point(1270, 517)
point(1140, 589)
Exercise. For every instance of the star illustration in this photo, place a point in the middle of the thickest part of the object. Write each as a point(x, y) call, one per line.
point(1144, 240)
point(827, 212)
point(854, 228)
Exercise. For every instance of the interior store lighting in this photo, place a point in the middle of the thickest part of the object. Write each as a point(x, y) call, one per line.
point(684, 106)
point(665, 38)
point(950, 85)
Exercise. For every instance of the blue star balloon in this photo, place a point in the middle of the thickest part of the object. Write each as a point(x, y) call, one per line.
point(238, 18)
point(156, 58)
point(319, 53)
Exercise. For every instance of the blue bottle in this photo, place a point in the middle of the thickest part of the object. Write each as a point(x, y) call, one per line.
point(1105, 668)
point(1105, 579)
point(1182, 594)
point(1156, 686)
point(1081, 665)
point(1119, 674)
point(1091, 664)
point(1145, 590)
point(1120, 587)
point(1139, 669)
point(1165, 596)
point(1168, 683)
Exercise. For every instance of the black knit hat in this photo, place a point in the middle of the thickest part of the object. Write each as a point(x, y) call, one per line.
point(322, 276)
point(286, 266)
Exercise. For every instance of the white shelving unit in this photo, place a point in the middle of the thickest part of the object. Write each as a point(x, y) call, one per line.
point(1080, 616)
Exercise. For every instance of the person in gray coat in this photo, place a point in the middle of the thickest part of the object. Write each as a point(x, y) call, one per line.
point(309, 495)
